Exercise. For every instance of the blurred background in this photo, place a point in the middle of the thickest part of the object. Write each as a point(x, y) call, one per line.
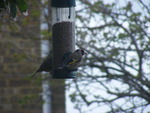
point(114, 78)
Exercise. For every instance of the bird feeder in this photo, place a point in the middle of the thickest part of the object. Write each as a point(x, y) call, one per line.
point(63, 35)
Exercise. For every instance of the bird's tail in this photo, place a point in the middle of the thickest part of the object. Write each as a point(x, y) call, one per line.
point(34, 74)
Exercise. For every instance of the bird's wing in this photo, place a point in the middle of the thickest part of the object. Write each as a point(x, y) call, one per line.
point(46, 66)
point(72, 61)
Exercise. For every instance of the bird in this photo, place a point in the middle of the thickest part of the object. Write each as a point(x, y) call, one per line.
point(73, 60)
point(46, 65)
point(70, 61)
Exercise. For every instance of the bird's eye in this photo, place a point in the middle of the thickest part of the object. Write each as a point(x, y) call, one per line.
point(82, 52)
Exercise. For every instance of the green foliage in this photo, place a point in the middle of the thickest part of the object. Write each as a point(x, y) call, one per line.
point(19, 57)
point(13, 6)
point(72, 96)
point(22, 5)
point(13, 9)
point(46, 34)
point(27, 99)
point(128, 7)
point(2, 5)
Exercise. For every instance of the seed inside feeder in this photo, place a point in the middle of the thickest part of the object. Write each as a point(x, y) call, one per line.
point(63, 40)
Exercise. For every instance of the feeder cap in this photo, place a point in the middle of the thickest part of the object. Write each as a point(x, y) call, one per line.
point(63, 3)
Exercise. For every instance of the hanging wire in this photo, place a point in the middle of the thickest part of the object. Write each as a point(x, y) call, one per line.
point(69, 13)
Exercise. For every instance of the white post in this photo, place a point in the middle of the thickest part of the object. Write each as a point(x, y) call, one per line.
point(46, 94)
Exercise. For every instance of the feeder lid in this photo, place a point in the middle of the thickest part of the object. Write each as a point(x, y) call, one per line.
point(63, 3)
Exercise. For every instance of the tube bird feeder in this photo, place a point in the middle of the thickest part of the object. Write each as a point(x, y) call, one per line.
point(63, 35)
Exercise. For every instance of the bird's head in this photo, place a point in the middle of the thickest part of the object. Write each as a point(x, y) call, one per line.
point(81, 52)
